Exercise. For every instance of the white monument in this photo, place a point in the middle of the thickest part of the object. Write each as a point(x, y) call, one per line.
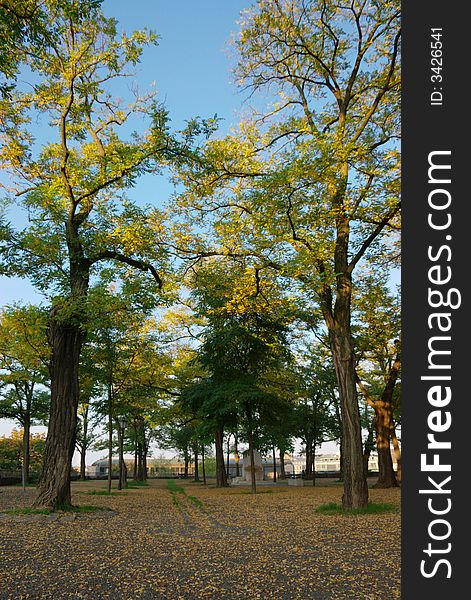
point(247, 468)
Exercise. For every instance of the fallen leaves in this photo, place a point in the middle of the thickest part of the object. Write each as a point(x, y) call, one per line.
point(213, 543)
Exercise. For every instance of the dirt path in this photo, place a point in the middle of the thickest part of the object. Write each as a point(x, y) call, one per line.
point(196, 542)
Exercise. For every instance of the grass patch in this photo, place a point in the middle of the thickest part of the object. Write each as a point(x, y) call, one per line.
point(196, 501)
point(48, 511)
point(174, 488)
point(104, 493)
point(258, 492)
point(373, 508)
point(137, 484)
point(33, 485)
point(27, 511)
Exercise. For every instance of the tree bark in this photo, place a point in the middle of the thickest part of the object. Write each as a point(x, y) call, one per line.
point(228, 454)
point(369, 444)
point(186, 457)
point(383, 418)
point(197, 473)
point(384, 425)
point(355, 489)
point(65, 338)
point(203, 465)
point(110, 434)
point(236, 456)
point(83, 447)
point(140, 468)
point(134, 473)
point(253, 484)
point(397, 453)
point(145, 450)
point(282, 464)
point(83, 463)
point(313, 469)
point(26, 451)
point(274, 464)
point(221, 478)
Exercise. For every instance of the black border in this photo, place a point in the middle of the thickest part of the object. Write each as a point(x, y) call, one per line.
point(425, 129)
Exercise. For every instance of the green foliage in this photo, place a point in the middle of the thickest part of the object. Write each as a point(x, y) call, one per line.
point(24, 356)
point(11, 451)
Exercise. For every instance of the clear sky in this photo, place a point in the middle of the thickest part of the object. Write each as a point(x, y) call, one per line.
point(191, 68)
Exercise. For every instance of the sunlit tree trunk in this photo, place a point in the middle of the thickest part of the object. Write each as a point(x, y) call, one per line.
point(397, 453)
point(355, 490)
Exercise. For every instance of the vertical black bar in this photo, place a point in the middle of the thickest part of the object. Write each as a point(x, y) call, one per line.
point(435, 118)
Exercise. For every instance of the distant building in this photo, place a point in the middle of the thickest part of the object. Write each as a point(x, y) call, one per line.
point(173, 467)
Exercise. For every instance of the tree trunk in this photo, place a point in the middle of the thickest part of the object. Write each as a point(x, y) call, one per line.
point(195, 452)
point(83, 463)
point(134, 473)
point(397, 453)
point(383, 422)
point(120, 454)
point(383, 417)
point(140, 473)
point(203, 465)
point(83, 447)
point(274, 464)
point(308, 462)
point(187, 461)
point(384, 425)
point(65, 339)
point(282, 464)
point(110, 435)
point(355, 489)
point(228, 455)
point(221, 478)
point(145, 450)
point(253, 484)
point(26, 451)
point(369, 445)
point(313, 467)
point(236, 456)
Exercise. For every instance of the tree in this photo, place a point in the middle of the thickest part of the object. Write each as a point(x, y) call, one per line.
point(20, 22)
point(11, 451)
point(74, 185)
point(379, 353)
point(243, 344)
point(310, 188)
point(315, 414)
point(24, 355)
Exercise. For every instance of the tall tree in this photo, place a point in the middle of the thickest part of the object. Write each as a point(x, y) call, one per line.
point(310, 187)
point(73, 191)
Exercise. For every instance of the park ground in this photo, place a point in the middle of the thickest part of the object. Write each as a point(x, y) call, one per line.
point(181, 540)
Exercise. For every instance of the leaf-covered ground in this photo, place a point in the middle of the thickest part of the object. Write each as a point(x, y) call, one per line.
point(187, 541)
